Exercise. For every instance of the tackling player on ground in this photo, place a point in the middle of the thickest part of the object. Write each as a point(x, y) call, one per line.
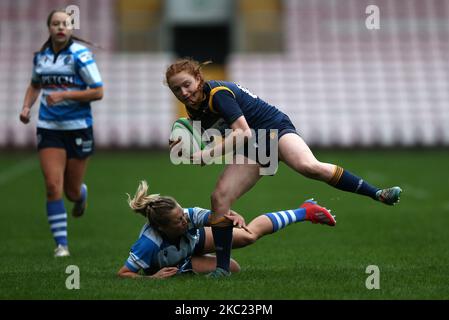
point(177, 240)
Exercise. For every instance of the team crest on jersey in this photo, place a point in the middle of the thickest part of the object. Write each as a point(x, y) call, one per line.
point(67, 60)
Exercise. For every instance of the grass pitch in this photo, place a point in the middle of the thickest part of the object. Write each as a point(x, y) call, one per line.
point(408, 242)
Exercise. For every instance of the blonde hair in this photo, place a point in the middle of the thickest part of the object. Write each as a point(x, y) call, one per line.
point(152, 206)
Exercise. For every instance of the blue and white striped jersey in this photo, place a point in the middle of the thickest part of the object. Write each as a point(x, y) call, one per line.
point(151, 251)
point(72, 69)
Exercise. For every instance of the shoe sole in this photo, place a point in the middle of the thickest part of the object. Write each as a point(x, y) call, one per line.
point(62, 256)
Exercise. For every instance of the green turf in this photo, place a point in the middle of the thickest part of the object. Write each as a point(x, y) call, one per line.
point(408, 242)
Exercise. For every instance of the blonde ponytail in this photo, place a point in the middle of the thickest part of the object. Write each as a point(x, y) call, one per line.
point(153, 206)
point(141, 200)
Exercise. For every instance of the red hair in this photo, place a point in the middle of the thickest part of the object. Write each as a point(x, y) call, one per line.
point(188, 65)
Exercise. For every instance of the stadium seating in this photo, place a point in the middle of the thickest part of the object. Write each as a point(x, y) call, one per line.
point(345, 85)
point(136, 110)
point(342, 84)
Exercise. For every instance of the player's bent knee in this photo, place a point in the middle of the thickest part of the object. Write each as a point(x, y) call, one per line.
point(248, 239)
point(234, 266)
point(251, 238)
point(53, 189)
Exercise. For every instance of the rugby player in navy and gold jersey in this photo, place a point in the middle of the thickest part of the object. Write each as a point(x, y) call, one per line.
point(66, 73)
point(221, 103)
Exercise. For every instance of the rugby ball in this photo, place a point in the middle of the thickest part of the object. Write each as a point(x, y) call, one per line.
point(189, 134)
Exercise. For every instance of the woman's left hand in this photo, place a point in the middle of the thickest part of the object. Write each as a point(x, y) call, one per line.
point(55, 97)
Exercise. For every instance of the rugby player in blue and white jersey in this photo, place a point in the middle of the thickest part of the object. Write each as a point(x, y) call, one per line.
point(226, 103)
point(66, 73)
point(177, 240)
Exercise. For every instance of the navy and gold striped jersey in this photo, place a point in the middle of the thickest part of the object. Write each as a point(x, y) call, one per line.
point(226, 101)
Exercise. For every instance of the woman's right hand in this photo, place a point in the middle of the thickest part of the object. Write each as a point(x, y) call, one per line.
point(25, 115)
point(165, 272)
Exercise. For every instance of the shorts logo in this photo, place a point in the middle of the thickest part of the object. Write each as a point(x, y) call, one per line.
point(87, 146)
point(39, 138)
point(78, 141)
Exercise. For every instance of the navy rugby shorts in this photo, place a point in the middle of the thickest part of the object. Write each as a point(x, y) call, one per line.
point(283, 127)
point(198, 250)
point(79, 144)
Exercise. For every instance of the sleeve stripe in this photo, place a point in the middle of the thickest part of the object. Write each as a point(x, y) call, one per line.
point(206, 217)
point(213, 92)
point(90, 74)
point(132, 266)
point(82, 64)
point(137, 261)
point(96, 85)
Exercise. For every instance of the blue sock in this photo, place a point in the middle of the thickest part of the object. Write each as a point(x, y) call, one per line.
point(223, 245)
point(346, 181)
point(57, 218)
point(281, 219)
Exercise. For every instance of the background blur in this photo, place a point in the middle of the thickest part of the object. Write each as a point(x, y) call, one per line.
point(341, 83)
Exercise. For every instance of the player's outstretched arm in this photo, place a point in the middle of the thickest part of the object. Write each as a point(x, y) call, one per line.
point(165, 272)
